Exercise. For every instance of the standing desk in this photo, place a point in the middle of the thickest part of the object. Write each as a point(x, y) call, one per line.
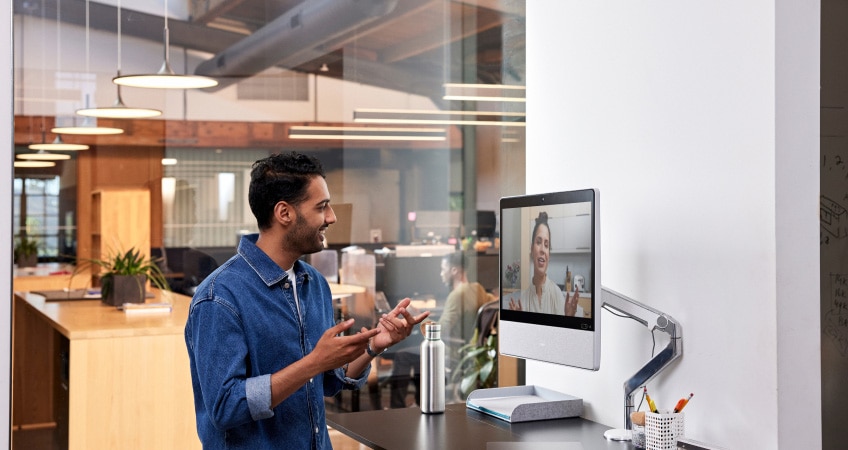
point(466, 429)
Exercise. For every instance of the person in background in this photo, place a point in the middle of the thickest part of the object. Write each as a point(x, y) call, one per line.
point(263, 346)
point(543, 295)
point(458, 322)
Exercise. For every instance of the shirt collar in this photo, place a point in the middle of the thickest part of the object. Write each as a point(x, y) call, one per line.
point(261, 263)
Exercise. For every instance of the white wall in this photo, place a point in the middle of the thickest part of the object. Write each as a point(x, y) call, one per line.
point(698, 121)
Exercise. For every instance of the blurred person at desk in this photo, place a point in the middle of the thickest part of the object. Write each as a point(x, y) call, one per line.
point(458, 321)
point(262, 343)
point(543, 295)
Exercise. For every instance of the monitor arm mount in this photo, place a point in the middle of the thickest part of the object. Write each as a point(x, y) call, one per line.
point(627, 307)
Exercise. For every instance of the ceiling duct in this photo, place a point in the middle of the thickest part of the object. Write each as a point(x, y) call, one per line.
point(291, 39)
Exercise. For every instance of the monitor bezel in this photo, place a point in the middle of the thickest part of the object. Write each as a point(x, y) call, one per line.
point(528, 335)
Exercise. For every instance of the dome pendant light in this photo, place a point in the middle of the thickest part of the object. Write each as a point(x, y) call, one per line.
point(166, 78)
point(57, 145)
point(89, 124)
point(42, 155)
point(119, 110)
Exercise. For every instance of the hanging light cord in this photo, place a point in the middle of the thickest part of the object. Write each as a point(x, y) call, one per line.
point(119, 41)
point(167, 37)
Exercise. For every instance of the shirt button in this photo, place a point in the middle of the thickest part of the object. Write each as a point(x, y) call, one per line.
point(311, 380)
point(316, 430)
point(287, 285)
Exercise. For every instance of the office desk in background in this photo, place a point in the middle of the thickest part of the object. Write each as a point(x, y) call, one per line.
point(461, 428)
point(49, 276)
point(100, 378)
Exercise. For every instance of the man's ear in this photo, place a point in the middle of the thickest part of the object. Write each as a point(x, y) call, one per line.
point(284, 213)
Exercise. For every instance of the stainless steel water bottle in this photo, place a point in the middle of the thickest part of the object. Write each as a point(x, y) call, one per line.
point(432, 370)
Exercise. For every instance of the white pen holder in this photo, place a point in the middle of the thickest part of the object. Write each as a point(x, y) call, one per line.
point(662, 430)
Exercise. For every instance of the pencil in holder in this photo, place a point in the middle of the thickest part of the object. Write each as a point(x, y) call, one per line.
point(662, 430)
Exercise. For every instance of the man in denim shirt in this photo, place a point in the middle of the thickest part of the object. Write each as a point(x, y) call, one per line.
point(262, 343)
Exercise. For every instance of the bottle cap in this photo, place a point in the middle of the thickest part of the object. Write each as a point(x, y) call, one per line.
point(432, 331)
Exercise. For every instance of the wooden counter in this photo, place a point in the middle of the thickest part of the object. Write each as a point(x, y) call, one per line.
point(127, 376)
point(49, 276)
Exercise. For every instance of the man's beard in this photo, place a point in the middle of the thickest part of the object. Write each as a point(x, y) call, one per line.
point(303, 238)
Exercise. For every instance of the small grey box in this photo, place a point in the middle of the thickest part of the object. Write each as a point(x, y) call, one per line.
point(524, 403)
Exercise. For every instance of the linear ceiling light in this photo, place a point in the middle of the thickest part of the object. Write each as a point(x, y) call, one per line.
point(34, 164)
point(118, 110)
point(43, 155)
point(368, 133)
point(165, 78)
point(430, 117)
point(485, 92)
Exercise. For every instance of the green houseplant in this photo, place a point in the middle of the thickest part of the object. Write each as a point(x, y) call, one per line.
point(124, 276)
point(26, 251)
point(478, 367)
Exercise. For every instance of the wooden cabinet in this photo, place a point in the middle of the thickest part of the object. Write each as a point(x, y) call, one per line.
point(120, 220)
point(104, 379)
point(571, 234)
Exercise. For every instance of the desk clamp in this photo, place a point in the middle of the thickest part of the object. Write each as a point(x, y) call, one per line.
point(624, 306)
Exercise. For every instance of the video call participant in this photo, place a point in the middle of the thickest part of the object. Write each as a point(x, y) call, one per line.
point(543, 295)
point(262, 343)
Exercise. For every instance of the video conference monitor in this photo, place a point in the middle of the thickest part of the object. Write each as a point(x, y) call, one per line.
point(550, 278)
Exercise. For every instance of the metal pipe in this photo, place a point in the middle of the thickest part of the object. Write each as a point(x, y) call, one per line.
point(292, 38)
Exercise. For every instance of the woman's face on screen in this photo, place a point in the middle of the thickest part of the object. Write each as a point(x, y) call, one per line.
point(540, 253)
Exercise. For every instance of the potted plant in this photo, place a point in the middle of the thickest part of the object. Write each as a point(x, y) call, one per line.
point(26, 251)
point(124, 276)
point(478, 368)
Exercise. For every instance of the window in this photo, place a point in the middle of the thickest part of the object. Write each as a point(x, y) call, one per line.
point(36, 214)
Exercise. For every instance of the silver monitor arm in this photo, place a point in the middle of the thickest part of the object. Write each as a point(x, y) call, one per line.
point(627, 307)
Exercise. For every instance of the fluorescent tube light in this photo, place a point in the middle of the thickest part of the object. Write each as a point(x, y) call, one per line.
point(367, 133)
point(432, 117)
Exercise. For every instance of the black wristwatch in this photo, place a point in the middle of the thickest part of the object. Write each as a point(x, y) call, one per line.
point(372, 353)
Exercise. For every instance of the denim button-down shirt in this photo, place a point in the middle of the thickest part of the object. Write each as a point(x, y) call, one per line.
point(243, 325)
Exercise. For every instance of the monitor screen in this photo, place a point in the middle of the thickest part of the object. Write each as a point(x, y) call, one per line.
point(550, 278)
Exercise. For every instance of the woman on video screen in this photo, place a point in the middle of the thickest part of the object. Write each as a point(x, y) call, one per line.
point(543, 295)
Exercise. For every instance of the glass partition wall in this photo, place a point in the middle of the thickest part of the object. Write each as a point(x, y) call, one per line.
point(415, 108)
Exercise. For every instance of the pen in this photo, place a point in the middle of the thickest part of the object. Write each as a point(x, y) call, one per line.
point(651, 404)
point(682, 403)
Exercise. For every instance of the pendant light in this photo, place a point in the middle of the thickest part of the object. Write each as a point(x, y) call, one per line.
point(89, 124)
point(57, 144)
point(34, 164)
point(43, 155)
point(165, 78)
point(118, 110)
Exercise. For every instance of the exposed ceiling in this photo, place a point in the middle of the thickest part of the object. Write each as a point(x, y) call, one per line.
point(404, 45)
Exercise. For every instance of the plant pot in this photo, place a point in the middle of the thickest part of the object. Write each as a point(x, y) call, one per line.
point(27, 261)
point(120, 289)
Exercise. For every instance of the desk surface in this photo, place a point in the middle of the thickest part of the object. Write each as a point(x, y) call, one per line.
point(91, 319)
point(462, 428)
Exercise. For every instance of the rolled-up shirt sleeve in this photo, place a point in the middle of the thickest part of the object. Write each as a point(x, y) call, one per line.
point(348, 382)
point(258, 392)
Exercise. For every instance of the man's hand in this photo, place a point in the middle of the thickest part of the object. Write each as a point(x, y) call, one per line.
point(335, 350)
point(395, 326)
